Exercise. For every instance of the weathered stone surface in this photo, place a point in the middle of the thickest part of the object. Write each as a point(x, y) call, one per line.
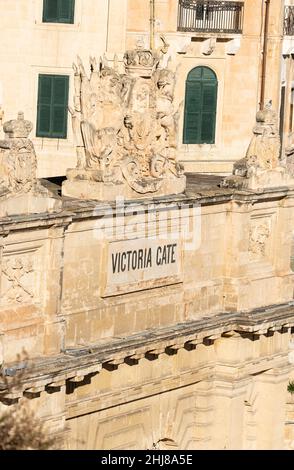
point(128, 21)
point(74, 364)
point(126, 130)
point(80, 188)
point(104, 349)
point(261, 168)
point(20, 191)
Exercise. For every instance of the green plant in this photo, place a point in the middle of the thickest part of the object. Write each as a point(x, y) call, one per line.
point(290, 387)
point(20, 429)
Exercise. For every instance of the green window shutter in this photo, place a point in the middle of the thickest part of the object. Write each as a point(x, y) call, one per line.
point(199, 12)
point(58, 11)
point(209, 97)
point(52, 106)
point(192, 126)
point(44, 105)
point(200, 106)
point(195, 74)
point(207, 128)
point(50, 11)
point(60, 103)
point(207, 74)
point(66, 11)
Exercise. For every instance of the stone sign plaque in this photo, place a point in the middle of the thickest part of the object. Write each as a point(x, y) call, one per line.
point(135, 265)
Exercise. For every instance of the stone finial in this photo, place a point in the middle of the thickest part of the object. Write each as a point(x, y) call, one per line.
point(264, 149)
point(261, 167)
point(18, 128)
point(20, 190)
point(267, 115)
point(17, 156)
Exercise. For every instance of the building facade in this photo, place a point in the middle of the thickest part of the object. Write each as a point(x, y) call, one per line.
point(196, 357)
point(40, 41)
point(218, 47)
point(226, 69)
point(165, 319)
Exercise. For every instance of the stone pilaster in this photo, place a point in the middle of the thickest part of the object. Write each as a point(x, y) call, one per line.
point(271, 408)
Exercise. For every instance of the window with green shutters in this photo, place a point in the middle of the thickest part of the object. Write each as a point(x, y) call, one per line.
point(58, 11)
point(200, 106)
point(52, 106)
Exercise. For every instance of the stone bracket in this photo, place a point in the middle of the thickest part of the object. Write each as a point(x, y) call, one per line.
point(80, 364)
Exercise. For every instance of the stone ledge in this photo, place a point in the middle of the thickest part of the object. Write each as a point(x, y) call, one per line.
point(74, 365)
point(201, 190)
point(76, 209)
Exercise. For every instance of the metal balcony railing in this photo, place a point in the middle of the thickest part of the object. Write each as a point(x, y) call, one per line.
point(289, 21)
point(210, 16)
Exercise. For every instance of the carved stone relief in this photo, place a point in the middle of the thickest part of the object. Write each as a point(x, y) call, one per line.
point(261, 167)
point(20, 190)
point(126, 125)
point(208, 46)
point(17, 157)
point(264, 149)
point(258, 239)
point(17, 279)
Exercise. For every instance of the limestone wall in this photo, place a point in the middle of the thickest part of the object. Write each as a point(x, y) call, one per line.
point(218, 405)
point(198, 356)
point(236, 60)
point(30, 47)
point(240, 260)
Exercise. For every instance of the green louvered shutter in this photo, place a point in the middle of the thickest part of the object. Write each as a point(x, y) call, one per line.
point(44, 105)
point(200, 106)
point(192, 127)
point(50, 11)
point(66, 11)
point(52, 106)
point(208, 118)
point(59, 106)
point(58, 11)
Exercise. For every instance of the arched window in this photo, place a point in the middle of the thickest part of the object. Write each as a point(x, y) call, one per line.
point(200, 106)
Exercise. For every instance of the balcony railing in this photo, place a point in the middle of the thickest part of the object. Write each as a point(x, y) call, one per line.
point(289, 21)
point(210, 16)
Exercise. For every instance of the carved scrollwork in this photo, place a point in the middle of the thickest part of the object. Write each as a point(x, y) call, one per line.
point(126, 124)
point(264, 149)
point(132, 172)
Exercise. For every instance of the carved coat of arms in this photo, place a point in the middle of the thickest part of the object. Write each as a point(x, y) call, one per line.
point(125, 125)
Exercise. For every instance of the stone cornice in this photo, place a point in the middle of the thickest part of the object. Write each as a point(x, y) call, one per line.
point(74, 365)
point(230, 385)
point(74, 210)
point(35, 221)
